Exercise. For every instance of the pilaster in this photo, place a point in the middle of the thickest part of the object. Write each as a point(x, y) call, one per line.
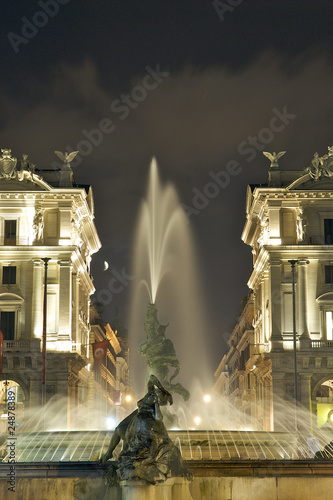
point(302, 305)
point(35, 391)
point(65, 300)
point(37, 299)
point(265, 307)
point(75, 307)
point(275, 319)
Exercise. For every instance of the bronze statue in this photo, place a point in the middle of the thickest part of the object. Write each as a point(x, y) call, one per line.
point(160, 354)
point(148, 453)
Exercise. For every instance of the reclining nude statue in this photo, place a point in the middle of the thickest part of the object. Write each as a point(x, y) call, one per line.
point(148, 453)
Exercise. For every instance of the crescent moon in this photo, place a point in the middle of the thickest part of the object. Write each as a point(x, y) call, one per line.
point(106, 265)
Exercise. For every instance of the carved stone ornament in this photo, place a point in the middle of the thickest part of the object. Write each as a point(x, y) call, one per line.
point(7, 164)
point(300, 226)
point(274, 157)
point(10, 168)
point(66, 158)
point(38, 225)
point(321, 166)
point(264, 233)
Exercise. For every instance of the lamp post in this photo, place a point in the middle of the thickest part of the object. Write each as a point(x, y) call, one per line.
point(45, 260)
point(293, 263)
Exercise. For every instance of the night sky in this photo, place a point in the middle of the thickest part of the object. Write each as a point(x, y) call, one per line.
point(203, 86)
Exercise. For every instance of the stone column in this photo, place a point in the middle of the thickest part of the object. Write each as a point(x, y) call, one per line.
point(256, 306)
point(65, 300)
point(322, 323)
point(37, 299)
point(275, 320)
point(302, 306)
point(75, 308)
point(265, 310)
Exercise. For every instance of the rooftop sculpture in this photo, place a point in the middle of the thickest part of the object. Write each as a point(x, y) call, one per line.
point(321, 166)
point(274, 157)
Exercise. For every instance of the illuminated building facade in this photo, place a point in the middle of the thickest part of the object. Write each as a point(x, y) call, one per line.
point(289, 218)
point(44, 214)
point(110, 392)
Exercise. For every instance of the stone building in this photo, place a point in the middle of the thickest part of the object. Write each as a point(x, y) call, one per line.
point(44, 214)
point(289, 218)
point(110, 392)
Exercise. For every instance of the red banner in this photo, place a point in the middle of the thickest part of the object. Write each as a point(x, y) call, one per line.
point(117, 398)
point(99, 352)
point(1, 352)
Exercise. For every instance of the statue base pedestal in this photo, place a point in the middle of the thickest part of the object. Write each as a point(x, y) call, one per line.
point(180, 489)
point(139, 490)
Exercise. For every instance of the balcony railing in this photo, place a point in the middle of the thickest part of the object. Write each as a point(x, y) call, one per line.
point(22, 345)
point(79, 349)
point(322, 344)
point(16, 241)
point(35, 345)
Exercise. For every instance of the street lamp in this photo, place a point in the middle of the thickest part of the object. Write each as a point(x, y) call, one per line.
point(293, 263)
point(207, 398)
point(45, 260)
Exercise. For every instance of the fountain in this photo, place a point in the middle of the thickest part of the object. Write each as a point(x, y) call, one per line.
point(166, 271)
point(233, 464)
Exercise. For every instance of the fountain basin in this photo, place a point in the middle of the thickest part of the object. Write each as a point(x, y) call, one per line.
point(213, 479)
point(64, 446)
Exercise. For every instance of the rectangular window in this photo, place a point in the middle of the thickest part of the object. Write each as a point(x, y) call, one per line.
point(328, 229)
point(10, 232)
point(52, 223)
point(8, 325)
point(287, 312)
point(288, 226)
point(52, 312)
point(329, 325)
point(9, 275)
point(328, 274)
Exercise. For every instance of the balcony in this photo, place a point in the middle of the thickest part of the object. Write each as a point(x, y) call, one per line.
point(17, 241)
point(321, 344)
point(325, 400)
point(22, 345)
point(79, 349)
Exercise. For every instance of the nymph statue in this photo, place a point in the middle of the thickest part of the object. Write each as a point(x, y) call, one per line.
point(148, 453)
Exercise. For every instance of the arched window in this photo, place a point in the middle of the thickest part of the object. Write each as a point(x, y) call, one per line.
point(10, 306)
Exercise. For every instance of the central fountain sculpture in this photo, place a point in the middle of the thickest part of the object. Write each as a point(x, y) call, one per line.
point(148, 454)
point(160, 353)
